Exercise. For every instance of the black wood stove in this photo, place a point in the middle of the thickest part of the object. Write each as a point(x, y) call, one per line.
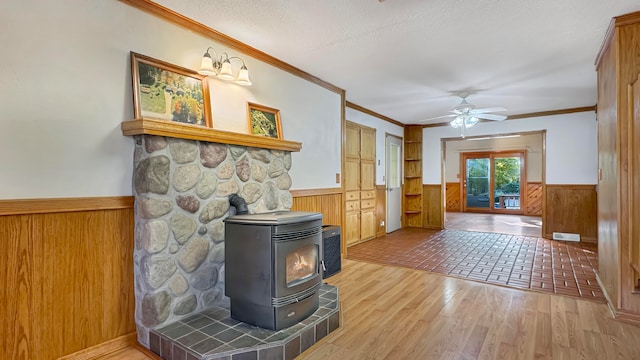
point(273, 267)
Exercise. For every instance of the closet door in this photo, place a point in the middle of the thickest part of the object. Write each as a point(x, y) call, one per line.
point(360, 183)
point(367, 183)
point(352, 185)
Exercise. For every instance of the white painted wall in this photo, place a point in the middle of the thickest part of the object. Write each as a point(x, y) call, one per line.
point(382, 128)
point(65, 87)
point(532, 143)
point(571, 145)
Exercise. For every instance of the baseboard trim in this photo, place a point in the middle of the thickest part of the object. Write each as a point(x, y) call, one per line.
point(618, 314)
point(360, 241)
point(610, 305)
point(588, 240)
point(104, 348)
point(432, 227)
point(628, 317)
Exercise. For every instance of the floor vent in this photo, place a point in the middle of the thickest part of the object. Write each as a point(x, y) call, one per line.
point(566, 236)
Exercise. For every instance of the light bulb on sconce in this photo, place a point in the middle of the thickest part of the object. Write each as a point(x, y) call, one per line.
point(221, 67)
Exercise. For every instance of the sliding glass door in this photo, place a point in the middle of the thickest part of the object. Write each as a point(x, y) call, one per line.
point(477, 182)
point(493, 182)
point(507, 176)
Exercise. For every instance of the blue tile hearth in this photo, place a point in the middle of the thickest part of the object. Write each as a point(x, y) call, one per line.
point(213, 334)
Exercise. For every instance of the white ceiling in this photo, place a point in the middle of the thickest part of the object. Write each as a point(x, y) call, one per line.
point(406, 59)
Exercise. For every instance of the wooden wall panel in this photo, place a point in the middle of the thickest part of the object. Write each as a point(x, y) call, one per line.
point(328, 202)
point(608, 259)
point(629, 71)
point(454, 203)
point(17, 322)
point(618, 67)
point(572, 209)
point(432, 210)
point(68, 279)
point(634, 193)
point(381, 209)
point(534, 199)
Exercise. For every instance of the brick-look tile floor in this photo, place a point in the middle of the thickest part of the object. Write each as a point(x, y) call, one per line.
point(518, 261)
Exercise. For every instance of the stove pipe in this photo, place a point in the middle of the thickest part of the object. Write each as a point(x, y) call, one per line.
point(239, 203)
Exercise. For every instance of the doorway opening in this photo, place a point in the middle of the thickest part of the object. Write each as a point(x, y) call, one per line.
point(494, 181)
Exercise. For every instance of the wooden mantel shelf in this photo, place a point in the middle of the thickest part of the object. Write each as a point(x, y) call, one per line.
point(194, 132)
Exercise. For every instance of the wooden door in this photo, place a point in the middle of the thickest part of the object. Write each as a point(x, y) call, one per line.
point(352, 175)
point(352, 185)
point(352, 145)
point(367, 175)
point(367, 224)
point(352, 197)
point(360, 183)
point(367, 183)
point(368, 144)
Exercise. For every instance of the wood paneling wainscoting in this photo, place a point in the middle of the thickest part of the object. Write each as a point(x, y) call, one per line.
point(328, 202)
point(67, 275)
point(454, 201)
point(534, 199)
point(432, 209)
point(571, 209)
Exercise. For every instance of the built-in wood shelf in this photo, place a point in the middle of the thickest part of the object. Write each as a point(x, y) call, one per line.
point(412, 190)
point(195, 132)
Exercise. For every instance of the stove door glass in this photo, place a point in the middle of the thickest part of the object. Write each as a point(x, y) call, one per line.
point(301, 264)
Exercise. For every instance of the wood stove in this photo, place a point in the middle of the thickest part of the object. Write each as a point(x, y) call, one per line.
point(273, 267)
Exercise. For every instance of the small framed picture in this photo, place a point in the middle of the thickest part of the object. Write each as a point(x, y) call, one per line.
point(264, 121)
point(169, 92)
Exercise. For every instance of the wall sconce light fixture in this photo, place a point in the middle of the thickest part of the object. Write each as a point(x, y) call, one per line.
point(221, 67)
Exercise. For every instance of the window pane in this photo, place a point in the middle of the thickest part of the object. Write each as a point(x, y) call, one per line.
point(394, 163)
point(507, 183)
point(478, 183)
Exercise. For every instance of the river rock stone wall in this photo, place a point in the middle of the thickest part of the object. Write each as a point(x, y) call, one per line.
point(181, 192)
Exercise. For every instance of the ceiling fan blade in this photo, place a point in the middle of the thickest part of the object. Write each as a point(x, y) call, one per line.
point(439, 117)
point(490, 116)
point(486, 110)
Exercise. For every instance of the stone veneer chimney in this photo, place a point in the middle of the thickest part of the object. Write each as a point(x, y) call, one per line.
point(181, 192)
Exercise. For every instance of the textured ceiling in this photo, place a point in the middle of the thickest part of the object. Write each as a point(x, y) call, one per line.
point(406, 59)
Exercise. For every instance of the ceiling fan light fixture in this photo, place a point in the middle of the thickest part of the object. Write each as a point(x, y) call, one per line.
point(457, 122)
point(469, 121)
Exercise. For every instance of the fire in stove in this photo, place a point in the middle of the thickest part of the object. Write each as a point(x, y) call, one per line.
point(301, 264)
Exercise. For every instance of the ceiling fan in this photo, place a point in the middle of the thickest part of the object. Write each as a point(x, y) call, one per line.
point(466, 115)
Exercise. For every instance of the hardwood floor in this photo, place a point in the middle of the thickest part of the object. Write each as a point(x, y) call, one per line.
point(130, 353)
point(398, 313)
point(497, 223)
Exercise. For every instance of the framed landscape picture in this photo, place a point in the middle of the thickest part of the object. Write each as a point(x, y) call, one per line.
point(169, 92)
point(264, 121)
